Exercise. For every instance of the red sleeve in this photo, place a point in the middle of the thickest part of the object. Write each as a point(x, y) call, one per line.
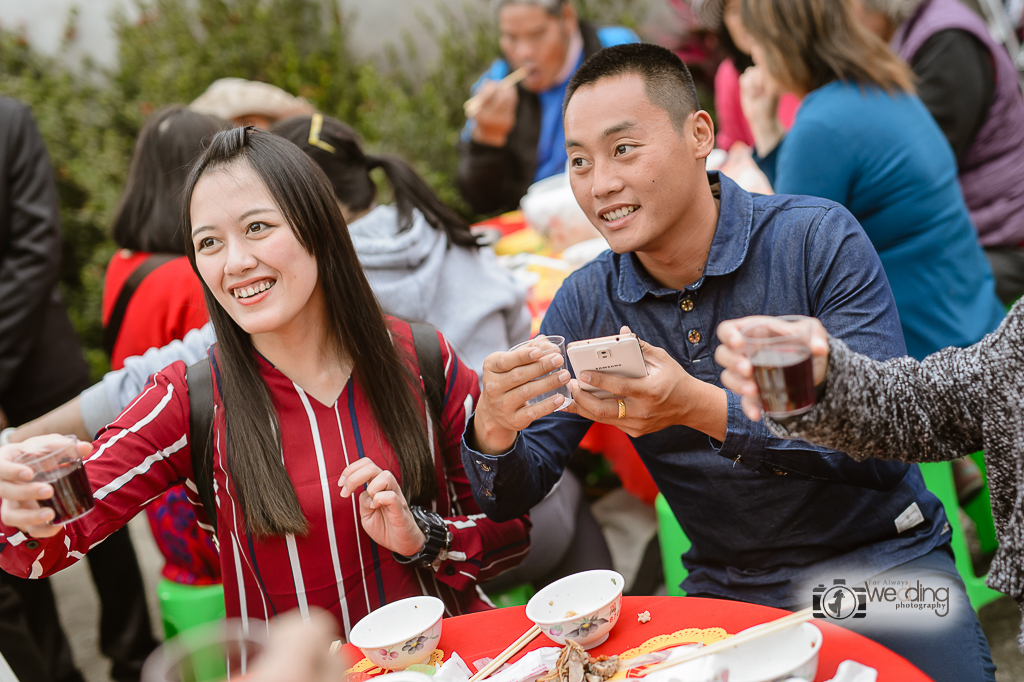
point(481, 548)
point(135, 459)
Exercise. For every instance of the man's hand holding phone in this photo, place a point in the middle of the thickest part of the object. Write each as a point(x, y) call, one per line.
point(510, 379)
point(667, 396)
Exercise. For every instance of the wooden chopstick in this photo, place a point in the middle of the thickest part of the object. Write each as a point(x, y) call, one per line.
point(742, 638)
point(508, 653)
point(335, 647)
point(475, 103)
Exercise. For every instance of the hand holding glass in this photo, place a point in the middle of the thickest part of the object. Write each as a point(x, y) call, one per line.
point(779, 350)
point(548, 346)
point(59, 464)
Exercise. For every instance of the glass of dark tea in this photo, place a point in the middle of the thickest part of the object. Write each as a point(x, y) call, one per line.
point(779, 348)
point(59, 464)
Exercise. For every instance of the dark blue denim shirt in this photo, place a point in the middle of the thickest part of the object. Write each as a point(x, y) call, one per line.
point(767, 517)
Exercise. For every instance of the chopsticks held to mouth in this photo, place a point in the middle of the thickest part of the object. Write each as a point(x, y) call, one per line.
point(474, 104)
point(736, 640)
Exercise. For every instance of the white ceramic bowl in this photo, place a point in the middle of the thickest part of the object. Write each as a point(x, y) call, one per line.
point(792, 652)
point(400, 634)
point(595, 599)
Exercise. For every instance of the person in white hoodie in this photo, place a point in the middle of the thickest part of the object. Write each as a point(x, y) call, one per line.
point(424, 265)
point(418, 254)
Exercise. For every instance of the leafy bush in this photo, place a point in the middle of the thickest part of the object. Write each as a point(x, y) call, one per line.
point(89, 118)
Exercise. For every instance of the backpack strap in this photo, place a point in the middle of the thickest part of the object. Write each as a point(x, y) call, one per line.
point(431, 362)
point(200, 427)
point(113, 326)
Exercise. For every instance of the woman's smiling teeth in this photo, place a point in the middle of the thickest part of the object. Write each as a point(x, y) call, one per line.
point(246, 292)
point(619, 213)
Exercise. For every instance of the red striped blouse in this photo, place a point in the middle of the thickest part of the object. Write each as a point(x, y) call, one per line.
point(336, 566)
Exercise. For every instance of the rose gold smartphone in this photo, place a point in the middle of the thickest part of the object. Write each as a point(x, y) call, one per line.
point(617, 355)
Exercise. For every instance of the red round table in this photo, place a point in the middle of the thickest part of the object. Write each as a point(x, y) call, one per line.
point(486, 634)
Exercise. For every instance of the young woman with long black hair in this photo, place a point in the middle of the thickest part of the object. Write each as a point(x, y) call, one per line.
point(316, 394)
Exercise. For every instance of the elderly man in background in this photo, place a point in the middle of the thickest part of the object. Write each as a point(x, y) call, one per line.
point(970, 86)
point(516, 138)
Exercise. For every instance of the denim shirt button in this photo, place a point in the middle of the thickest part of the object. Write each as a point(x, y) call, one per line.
point(488, 493)
point(484, 466)
point(686, 304)
point(694, 336)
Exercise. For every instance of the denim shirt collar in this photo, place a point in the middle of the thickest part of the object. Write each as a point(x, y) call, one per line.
point(728, 247)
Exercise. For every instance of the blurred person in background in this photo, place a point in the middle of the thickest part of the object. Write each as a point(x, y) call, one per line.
point(516, 138)
point(41, 367)
point(723, 18)
point(245, 102)
point(864, 140)
point(151, 297)
point(970, 85)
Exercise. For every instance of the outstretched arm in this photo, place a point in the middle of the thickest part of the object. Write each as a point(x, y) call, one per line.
point(926, 411)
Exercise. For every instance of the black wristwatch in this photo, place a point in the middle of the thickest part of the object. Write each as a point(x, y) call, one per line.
point(438, 539)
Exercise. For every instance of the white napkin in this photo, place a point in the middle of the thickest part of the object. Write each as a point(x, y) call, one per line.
point(851, 671)
point(453, 670)
point(707, 669)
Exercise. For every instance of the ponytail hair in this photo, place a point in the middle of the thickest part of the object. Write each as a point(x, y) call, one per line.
point(336, 149)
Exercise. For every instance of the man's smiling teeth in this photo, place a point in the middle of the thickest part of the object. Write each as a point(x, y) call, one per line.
point(619, 213)
point(246, 292)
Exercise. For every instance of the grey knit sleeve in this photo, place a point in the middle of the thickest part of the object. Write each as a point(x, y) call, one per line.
point(926, 411)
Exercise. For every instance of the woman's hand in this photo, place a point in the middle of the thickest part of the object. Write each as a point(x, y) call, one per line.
point(20, 507)
point(383, 510)
point(738, 371)
point(759, 98)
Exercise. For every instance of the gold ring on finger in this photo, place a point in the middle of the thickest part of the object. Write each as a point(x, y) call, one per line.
point(622, 409)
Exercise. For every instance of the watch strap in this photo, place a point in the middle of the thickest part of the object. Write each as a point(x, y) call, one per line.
point(437, 538)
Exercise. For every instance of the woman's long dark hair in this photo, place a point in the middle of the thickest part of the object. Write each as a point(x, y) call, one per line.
point(355, 325)
point(148, 215)
point(335, 148)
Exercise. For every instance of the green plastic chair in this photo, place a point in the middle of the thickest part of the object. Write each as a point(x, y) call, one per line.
point(185, 606)
point(513, 596)
point(938, 476)
point(674, 543)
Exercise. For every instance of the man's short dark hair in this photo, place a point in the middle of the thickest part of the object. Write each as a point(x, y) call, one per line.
point(667, 81)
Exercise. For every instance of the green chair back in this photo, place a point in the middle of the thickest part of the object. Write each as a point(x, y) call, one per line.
point(185, 606)
point(674, 543)
point(938, 476)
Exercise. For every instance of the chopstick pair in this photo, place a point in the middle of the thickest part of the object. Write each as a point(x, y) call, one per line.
point(742, 638)
point(475, 103)
point(508, 653)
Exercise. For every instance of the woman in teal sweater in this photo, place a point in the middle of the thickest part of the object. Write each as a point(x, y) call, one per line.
point(862, 138)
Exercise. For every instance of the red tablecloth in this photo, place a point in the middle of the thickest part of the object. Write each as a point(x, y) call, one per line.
point(487, 634)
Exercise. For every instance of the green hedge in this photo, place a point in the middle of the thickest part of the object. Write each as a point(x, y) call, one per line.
point(89, 117)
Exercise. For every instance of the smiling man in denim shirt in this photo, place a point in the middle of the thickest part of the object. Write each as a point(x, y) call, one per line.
point(768, 518)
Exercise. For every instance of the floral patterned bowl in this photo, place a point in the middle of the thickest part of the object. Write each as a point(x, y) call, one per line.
point(400, 634)
point(583, 607)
